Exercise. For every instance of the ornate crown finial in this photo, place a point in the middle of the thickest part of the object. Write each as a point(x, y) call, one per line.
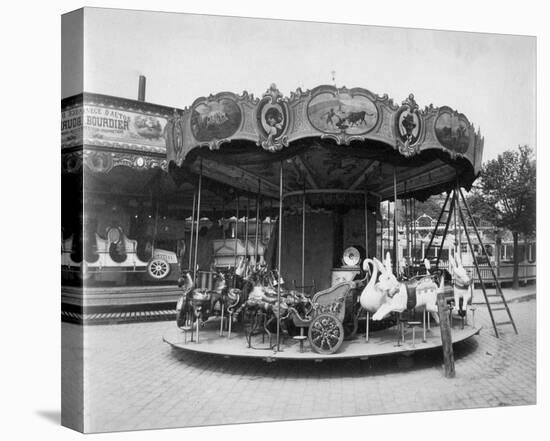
point(273, 92)
point(411, 102)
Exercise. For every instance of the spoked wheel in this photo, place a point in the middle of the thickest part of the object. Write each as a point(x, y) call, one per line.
point(326, 334)
point(158, 268)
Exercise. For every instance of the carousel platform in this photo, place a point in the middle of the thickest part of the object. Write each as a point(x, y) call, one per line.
point(384, 342)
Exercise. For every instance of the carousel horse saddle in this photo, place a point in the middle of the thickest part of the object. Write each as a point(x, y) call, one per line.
point(418, 287)
point(411, 294)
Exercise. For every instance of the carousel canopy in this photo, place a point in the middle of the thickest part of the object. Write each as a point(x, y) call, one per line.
point(330, 142)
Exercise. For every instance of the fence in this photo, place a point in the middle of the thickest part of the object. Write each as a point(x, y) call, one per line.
point(504, 272)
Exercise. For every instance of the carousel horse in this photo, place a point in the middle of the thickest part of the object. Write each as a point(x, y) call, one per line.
point(202, 302)
point(400, 296)
point(462, 285)
point(261, 305)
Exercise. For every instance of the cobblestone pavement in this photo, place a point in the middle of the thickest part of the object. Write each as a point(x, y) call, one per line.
point(134, 380)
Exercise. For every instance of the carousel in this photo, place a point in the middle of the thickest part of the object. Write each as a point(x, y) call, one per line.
point(317, 280)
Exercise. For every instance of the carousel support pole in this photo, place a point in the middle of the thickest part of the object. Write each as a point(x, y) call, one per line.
point(413, 205)
point(389, 235)
point(303, 236)
point(195, 262)
point(366, 197)
point(223, 217)
point(425, 318)
point(367, 328)
point(279, 247)
point(229, 325)
point(236, 235)
point(155, 229)
point(198, 326)
point(395, 245)
point(256, 257)
point(221, 319)
point(246, 224)
point(192, 231)
point(406, 220)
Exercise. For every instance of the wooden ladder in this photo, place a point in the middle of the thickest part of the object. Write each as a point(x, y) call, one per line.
point(495, 302)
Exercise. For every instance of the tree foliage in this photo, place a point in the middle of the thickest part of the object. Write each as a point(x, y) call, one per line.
point(508, 191)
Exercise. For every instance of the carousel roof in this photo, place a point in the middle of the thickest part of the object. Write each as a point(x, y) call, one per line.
point(330, 142)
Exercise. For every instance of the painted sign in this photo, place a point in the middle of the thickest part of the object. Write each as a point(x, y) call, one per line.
point(93, 123)
point(333, 112)
point(71, 126)
point(216, 118)
point(453, 132)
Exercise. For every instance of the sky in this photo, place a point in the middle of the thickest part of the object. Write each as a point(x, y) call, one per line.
point(490, 78)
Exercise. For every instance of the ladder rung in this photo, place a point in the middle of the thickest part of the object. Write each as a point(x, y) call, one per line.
point(504, 323)
point(499, 309)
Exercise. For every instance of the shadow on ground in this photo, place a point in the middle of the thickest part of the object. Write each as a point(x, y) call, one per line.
point(297, 369)
point(53, 416)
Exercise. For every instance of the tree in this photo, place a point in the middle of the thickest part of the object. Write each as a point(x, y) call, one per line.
point(508, 186)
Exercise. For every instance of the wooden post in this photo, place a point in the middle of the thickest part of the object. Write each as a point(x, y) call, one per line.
point(446, 338)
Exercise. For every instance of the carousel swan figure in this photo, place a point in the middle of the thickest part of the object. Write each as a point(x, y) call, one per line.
point(374, 295)
point(401, 296)
point(462, 285)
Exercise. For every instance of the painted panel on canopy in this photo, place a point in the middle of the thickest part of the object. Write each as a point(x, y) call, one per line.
point(342, 112)
point(216, 118)
point(333, 169)
point(453, 131)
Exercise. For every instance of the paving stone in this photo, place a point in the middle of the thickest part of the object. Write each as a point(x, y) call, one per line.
point(134, 380)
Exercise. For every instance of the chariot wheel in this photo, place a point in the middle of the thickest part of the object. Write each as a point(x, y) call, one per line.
point(326, 334)
point(158, 268)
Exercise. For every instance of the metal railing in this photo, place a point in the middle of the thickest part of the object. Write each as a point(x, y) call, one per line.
point(504, 272)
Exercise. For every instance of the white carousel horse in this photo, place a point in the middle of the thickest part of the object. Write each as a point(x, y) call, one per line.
point(462, 284)
point(401, 296)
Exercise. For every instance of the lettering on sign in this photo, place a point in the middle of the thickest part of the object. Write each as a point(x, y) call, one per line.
point(96, 124)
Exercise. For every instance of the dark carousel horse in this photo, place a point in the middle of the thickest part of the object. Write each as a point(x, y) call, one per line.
point(202, 303)
point(261, 308)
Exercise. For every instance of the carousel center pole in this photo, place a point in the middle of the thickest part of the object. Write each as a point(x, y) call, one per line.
point(279, 247)
point(191, 249)
point(195, 262)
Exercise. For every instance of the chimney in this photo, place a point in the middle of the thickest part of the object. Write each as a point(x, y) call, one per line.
point(141, 88)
